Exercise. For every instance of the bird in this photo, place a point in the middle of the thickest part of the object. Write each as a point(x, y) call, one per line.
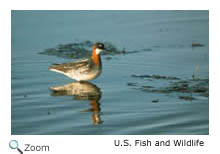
point(83, 70)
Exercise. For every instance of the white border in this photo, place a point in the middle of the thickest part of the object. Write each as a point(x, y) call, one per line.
point(104, 144)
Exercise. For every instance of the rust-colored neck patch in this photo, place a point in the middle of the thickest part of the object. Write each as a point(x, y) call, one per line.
point(95, 57)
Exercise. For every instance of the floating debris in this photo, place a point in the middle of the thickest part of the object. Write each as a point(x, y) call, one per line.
point(132, 84)
point(174, 85)
point(187, 98)
point(155, 101)
point(156, 77)
point(82, 50)
point(108, 58)
point(197, 45)
point(147, 86)
point(193, 86)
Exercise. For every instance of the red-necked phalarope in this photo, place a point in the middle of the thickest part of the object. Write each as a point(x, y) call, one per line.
point(83, 70)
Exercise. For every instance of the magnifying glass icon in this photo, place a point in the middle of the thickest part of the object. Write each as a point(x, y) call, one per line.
point(13, 144)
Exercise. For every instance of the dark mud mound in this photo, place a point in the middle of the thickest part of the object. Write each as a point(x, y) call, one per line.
point(184, 89)
point(82, 50)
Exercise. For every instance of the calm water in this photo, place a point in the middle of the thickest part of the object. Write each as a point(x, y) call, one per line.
point(120, 108)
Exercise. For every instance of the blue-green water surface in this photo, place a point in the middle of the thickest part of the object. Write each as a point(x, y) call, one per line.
point(122, 108)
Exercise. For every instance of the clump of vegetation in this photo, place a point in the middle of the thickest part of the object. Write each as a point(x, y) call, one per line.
point(156, 76)
point(82, 50)
point(187, 98)
point(174, 85)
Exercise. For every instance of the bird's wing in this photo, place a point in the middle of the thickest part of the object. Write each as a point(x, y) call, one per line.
point(82, 65)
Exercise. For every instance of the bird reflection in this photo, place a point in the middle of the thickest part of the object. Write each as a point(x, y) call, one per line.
point(82, 91)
